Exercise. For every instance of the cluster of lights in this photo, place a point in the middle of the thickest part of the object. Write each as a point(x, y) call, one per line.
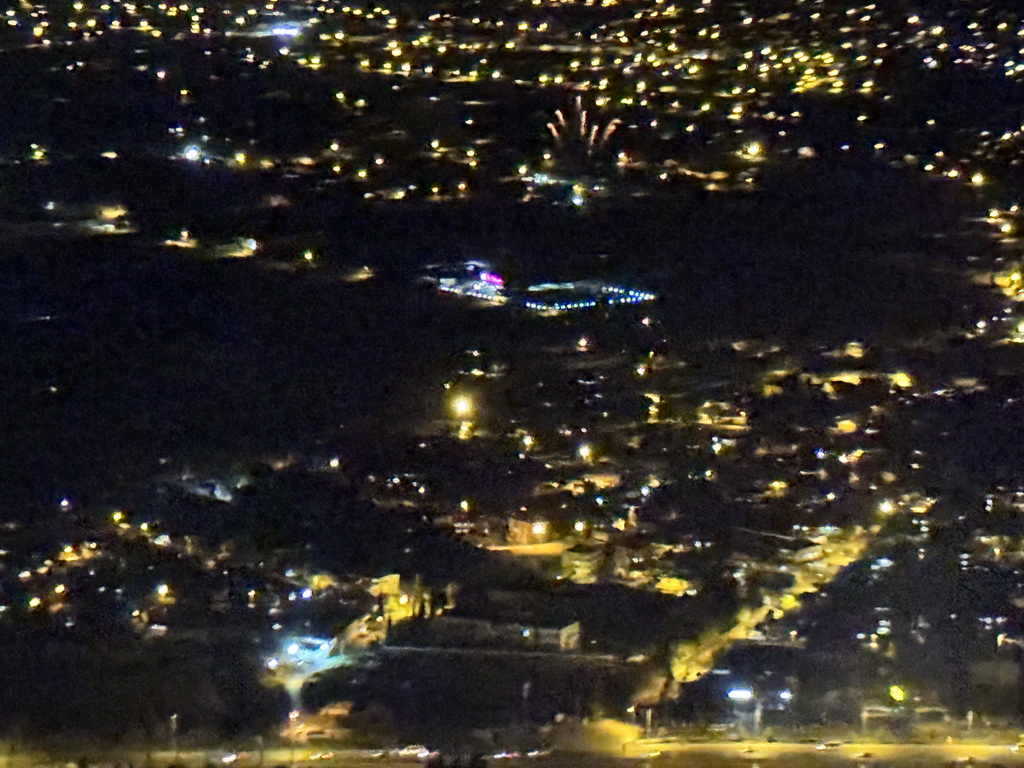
point(492, 298)
point(612, 294)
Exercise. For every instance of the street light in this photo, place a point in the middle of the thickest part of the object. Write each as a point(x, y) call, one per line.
point(897, 694)
point(462, 406)
point(740, 694)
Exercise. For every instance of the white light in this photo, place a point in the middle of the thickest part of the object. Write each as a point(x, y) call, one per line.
point(740, 694)
point(786, 695)
point(192, 153)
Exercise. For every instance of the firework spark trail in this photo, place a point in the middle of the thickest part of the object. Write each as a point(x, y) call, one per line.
point(577, 126)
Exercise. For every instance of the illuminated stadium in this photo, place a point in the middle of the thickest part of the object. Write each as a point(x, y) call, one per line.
point(476, 279)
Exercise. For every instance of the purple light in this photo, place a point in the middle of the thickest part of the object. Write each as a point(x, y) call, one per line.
point(493, 279)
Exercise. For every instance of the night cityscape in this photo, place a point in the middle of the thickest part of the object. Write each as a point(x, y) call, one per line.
point(560, 382)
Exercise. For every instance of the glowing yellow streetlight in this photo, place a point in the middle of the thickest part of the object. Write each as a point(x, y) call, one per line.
point(897, 694)
point(901, 380)
point(585, 452)
point(462, 407)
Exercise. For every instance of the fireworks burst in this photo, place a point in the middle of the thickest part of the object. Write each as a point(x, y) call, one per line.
point(575, 132)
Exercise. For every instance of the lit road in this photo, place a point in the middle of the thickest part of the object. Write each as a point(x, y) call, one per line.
point(651, 752)
point(693, 660)
point(305, 756)
point(740, 753)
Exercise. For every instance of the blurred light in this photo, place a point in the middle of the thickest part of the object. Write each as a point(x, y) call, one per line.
point(740, 694)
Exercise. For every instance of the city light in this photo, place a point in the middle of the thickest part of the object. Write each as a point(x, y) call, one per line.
point(700, 380)
point(462, 407)
point(286, 30)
